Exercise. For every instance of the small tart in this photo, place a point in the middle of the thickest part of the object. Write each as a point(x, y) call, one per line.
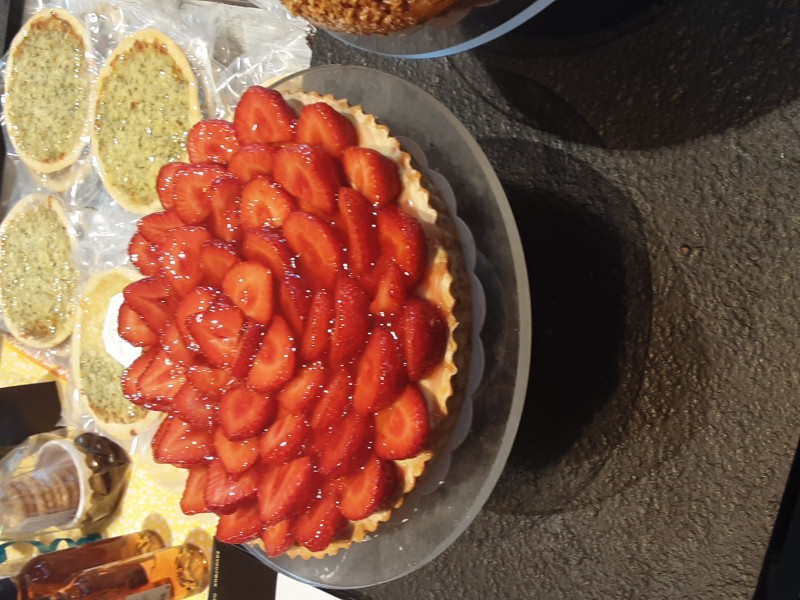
point(97, 374)
point(147, 101)
point(48, 90)
point(38, 273)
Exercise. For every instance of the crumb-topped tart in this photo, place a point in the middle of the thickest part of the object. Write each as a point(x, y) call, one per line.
point(303, 315)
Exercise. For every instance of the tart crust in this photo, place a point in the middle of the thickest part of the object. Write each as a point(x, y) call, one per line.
point(155, 129)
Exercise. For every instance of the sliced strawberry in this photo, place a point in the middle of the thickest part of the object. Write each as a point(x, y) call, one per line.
point(309, 174)
point(249, 343)
point(284, 440)
point(345, 446)
point(335, 400)
point(274, 364)
point(268, 248)
point(294, 298)
point(320, 254)
point(358, 221)
point(263, 116)
point(179, 443)
point(402, 428)
point(403, 239)
point(302, 389)
point(194, 407)
point(216, 331)
point(165, 181)
point(240, 526)
point(369, 489)
point(252, 160)
point(191, 187)
point(211, 141)
point(236, 455)
point(210, 381)
point(156, 225)
point(172, 342)
point(192, 501)
point(225, 492)
point(285, 490)
point(223, 195)
point(316, 527)
point(423, 336)
point(196, 301)
point(264, 203)
point(179, 257)
point(390, 294)
point(250, 286)
point(381, 374)
point(153, 299)
point(277, 538)
point(245, 413)
point(216, 259)
point(351, 321)
point(320, 124)
point(316, 335)
point(133, 329)
point(143, 254)
point(372, 174)
point(160, 381)
point(133, 372)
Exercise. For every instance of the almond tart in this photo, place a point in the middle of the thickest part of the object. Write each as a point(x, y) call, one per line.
point(305, 314)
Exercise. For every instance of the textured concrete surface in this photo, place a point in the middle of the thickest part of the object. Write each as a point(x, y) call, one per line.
point(653, 165)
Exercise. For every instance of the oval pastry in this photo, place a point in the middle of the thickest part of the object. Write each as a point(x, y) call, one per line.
point(147, 100)
point(48, 90)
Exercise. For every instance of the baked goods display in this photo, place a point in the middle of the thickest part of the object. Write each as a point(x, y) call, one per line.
point(38, 271)
point(147, 100)
point(49, 74)
point(298, 322)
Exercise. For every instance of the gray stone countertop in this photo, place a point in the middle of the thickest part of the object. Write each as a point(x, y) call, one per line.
point(653, 167)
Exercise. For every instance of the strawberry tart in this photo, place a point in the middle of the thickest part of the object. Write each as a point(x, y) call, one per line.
point(304, 319)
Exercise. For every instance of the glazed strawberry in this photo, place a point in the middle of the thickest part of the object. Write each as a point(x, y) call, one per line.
point(320, 124)
point(274, 364)
point(196, 301)
point(192, 501)
point(335, 400)
point(249, 343)
point(317, 526)
point(216, 259)
point(172, 342)
point(277, 538)
point(381, 373)
point(423, 336)
point(316, 339)
point(225, 492)
point(245, 413)
point(133, 329)
point(179, 443)
point(208, 380)
point(294, 299)
point(190, 186)
point(156, 225)
point(249, 285)
point(164, 183)
point(236, 455)
point(133, 372)
point(143, 254)
point(368, 489)
point(302, 389)
point(320, 254)
point(179, 257)
point(154, 299)
point(211, 141)
point(240, 526)
point(263, 116)
point(216, 331)
point(284, 440)
point(402, 428)
point(372, 174)
point(358, 221)
point(160, 381)
point(252, 160)
point(285, 490)
point(351, 321)
point(264, 203)
point(195, 408)
point(223, 196)
point(268, 248)
point(403, 239)
point(310, 175)
point(345, 446)
point(390, 293)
